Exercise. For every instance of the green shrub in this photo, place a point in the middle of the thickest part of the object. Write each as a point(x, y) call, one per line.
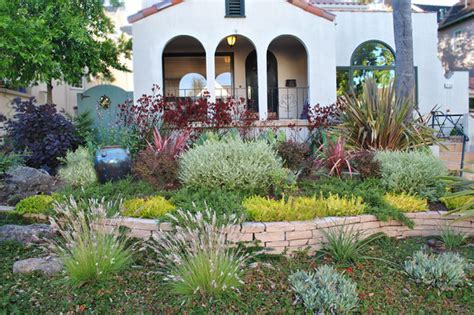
point(406, 203)
point(123, 189)
point(370, 190)
point(9, 160)
point(219, 200)
point(151, 208)
point(89, 252)
point(39, 204)
point(196, 260)
point(79, 169)
point(231, 164)
point(412, 172)
point(444, 271)
point(455, 202)
point(301, 208)
point(451, 238)
point(325, 291)
point(345, 244)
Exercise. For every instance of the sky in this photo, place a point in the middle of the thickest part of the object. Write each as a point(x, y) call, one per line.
point(435, 2)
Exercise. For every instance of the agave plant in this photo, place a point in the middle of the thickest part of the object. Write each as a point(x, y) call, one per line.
point(173, 144)
point(378, 120)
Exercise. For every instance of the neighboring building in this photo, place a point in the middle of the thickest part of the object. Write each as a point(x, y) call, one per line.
point(65, 95)
point(282, 54)
point(456, 44)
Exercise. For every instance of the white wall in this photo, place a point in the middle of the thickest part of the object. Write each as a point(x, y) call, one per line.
point(434, 89)
point(264, 21)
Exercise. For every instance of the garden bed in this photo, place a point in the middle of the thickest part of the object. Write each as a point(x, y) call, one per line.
point(279, 237)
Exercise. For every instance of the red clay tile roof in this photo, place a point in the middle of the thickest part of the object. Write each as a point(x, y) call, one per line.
point(164, 4)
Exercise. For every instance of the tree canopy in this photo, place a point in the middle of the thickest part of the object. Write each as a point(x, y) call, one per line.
point(46, 40)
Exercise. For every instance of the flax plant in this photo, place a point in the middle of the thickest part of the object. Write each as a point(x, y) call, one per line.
point(90, 250)
point(196, 260)
point(378, 120)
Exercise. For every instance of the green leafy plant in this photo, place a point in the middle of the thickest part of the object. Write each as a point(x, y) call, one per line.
point(39, 204)
point(9, 160)
point(231, 164)
point(444, 271)
point(90, 250)
point(122, 189)
point(345, 244)
point(301, 208)
point(451, 238)
point(412, 172)
point(219, 200)
point(153, 207)
point(461, 189)
point(325, 291)
point(84, 124)
point(370, 190)
point(378, 120)
point(406, 203)
point(79, 169)
point(196, 260)
point(453, 203)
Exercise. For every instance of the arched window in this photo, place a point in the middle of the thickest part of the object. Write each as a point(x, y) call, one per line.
point(191, 85)
point(371, 59)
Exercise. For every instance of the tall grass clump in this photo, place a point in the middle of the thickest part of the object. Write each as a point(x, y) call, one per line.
point(196, 260)
point(451, 238)
point(232, 164)
point(345, 244)
point(412, 172)
point(89, 250)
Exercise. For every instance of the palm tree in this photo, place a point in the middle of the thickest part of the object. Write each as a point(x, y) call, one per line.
point(404, 68)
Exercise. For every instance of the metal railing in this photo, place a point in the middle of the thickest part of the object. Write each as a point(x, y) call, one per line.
point(283, 102)
point(448, 126)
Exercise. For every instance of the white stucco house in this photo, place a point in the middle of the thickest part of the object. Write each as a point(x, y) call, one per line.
point(282, 54)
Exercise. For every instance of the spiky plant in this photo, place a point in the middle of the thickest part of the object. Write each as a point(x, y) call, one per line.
point(196, 260)
point(90, 250)
point(451, 238)
point(461, 187)
point(378, 120)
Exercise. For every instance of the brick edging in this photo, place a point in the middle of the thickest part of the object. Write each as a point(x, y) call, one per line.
point(278, 237)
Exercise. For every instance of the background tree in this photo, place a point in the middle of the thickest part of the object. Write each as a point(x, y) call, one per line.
point(404, 66)
point(46, 40)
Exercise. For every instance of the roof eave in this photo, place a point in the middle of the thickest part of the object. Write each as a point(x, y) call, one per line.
point(458, 20)
point(313, 9)
point(151, 10)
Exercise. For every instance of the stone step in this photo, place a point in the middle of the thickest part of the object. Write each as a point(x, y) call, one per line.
point(456, 156)
point(450, 146)
point(456, 166)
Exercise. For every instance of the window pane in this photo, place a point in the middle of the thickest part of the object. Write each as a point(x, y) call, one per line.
point(342, 77)
point(382, 77)
point(184, 73)
point(224, 75)
point(373, 54)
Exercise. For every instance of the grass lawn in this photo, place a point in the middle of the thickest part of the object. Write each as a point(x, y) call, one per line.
point(381, 288)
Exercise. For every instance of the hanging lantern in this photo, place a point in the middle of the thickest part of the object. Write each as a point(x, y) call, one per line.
point(231, 40)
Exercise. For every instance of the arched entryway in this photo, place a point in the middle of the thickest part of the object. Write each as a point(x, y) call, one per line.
point(232, 73)
point(289, 94)
point(272, 80)
point(184, 68)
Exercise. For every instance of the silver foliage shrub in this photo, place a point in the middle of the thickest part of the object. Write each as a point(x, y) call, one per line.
point(196, 259)
point(412, 172)
point(232, 164)
point(444, 271)
point(79, 169)
point(325, 290)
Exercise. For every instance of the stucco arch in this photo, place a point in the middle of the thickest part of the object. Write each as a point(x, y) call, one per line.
point(376, 41)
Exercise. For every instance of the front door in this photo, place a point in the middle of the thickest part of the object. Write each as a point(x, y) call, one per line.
point(251, 75)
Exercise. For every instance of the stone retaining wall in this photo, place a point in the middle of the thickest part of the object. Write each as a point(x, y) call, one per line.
point(278, 237)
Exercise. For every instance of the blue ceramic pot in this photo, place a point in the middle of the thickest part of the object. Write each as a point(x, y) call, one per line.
point(112, 163)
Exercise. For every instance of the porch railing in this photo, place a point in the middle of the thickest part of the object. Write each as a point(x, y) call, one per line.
point(447, 126)
point(283, 102)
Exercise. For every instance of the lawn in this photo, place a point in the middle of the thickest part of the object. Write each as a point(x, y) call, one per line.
point(381, 285)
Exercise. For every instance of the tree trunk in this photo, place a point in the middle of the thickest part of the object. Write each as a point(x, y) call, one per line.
point(404, 69)
point(49, 93)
